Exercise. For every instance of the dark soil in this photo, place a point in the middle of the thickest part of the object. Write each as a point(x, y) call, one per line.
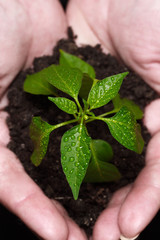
point(93, 198)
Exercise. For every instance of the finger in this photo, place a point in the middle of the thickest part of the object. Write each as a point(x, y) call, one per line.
point(33, 29)
point(89, 18)
point(74, 231)
point(60, 208)
point(48, 24)
point(23, 197)
point(107, 226)
point(3, 102)
point(152, 116)
point(135, 37)
point(4, 131)
point(14, 41)
point(142, 203)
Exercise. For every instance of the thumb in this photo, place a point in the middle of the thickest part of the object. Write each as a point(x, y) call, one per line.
point(152, 116)
point(25, 199)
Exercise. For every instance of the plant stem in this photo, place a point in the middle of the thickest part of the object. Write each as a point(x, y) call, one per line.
point(93, 84)
point(99, 118)
point(64, 123)
point(75, 116)
point(92, 118)
point(78, 104)
point(108, 113)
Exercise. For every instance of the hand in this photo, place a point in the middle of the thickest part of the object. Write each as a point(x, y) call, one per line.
point(129, 30)
point(29, 29)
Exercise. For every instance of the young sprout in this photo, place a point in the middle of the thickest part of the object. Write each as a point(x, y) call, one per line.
point(84, 158)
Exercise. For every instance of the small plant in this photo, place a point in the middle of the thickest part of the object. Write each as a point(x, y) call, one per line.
point(84, 158)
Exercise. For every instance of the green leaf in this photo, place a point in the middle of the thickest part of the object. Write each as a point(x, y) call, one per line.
point(102, 149)
point(140, 141)
point(85, 104)
point(37, 83)
point(99, 170)
point(118, 102)
point(70, 60)
point(87, 83)
point(39, 132)
point(105, 90)
point(75, 156)
point(64, 104)
point(66, 79)
point(125, 130)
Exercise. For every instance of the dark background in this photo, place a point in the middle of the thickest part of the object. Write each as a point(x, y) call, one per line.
point(64, 3)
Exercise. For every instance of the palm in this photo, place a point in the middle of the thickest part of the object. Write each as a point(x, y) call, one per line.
point(29, 29)
point(130, 31)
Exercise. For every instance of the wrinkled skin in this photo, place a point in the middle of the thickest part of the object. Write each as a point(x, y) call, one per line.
point(130, 31)
point(29, 29)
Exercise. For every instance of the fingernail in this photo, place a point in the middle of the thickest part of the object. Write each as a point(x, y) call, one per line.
point(124, 238)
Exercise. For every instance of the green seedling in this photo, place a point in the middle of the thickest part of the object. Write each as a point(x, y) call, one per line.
point(84, 158)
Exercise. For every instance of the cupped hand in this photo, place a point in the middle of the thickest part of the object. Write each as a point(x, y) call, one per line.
point(129, 30)
point(29, 29)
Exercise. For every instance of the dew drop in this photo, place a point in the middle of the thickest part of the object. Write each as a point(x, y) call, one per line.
point(69, 149)
point(66, 139)
point(64, 157)
point(71, 171)
point(72, 137)
point(65, 169)
point(77, 164)
point(71, 159)
point(78, 149)
point(101, 92)
point(73, 144)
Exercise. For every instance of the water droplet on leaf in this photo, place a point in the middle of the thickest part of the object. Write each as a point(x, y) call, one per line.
point(69, 149)
point(77, 164)
point(71, 159)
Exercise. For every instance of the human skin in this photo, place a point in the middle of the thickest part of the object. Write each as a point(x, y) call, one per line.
point(29, 29)
point(129, 30)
